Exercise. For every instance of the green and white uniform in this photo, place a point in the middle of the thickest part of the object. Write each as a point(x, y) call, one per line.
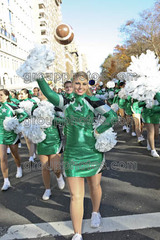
point(9, 110)
point(136, 109)
point(52, 144)
point(126, 105)
point(152, 115)
point(81, 159)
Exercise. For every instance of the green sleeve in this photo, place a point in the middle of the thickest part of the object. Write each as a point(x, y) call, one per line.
point(21, 115)
point(122, 103)
point(141, 104)
point(52, 96)
point(111, 118)
point(158, 97)
point(156, 109)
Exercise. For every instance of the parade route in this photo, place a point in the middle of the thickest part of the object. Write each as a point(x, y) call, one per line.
point(130, 202)
point(112, 224)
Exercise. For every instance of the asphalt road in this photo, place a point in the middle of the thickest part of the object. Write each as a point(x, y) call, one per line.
point(130, 183)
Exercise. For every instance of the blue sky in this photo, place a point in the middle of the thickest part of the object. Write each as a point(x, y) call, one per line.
point(96, 24)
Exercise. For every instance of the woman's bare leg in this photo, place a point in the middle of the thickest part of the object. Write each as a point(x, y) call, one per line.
point(15, 154)
point(76, 187)
point(55, 164)
point(150, 134)
point(137, 122)
point(31, 146)
point(45, 170)
point(95, 191)
point(4, 162)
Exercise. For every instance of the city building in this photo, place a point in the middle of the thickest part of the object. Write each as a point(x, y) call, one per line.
point(18, 33)
point(26, 23)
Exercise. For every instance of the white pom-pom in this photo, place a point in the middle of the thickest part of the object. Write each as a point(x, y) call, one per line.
point(39, 59)
point(27, 106)
point(122, 93)
point(33, 131)
point(149, 104)
point(111, 94)
point(114, 107)
point(106, 141)
point(110, 84)
point(12, 124)
point(142, 78)
point(44, 114)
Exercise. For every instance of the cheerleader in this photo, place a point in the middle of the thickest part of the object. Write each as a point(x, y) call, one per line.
point(10, 138)
point(13, 97)
point(49, 150)
point(68, 89)
point(136, 114)
point(35, 92)
point(28, 104)
point(151, 119)
point(81, 159)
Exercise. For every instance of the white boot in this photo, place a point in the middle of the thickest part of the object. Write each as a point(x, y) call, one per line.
point(19, 172)
point(46, 195)
point(141, 139)
point(154, 153)
point(6, 185)
point(95, 219)
point(134, 134)
point(61, 182)
point(77, 236)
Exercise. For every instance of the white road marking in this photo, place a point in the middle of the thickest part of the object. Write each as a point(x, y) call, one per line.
point(110, 224)
point(121, 141)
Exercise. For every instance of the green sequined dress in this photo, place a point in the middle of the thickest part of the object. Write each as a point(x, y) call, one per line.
point(9, 110)
point(81, 159)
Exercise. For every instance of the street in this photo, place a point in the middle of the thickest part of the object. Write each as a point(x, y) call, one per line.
point(130, 205)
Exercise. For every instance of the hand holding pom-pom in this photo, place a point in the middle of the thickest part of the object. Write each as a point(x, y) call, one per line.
point(39, 59)
point(105, 141)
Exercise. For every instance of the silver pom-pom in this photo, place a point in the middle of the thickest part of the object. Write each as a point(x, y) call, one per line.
point(111, 95)
point(32, 130)
point(142, 78)
point(115, 107)
point(122, 93)
point(12, 124)
point(110, 84)
point(106, 140)
point(44, 114)
point(39, 59)
point(27, 106)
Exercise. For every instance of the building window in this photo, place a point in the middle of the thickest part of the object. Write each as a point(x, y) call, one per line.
point(43, 32)
point(1, 61)
point(10, 16)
